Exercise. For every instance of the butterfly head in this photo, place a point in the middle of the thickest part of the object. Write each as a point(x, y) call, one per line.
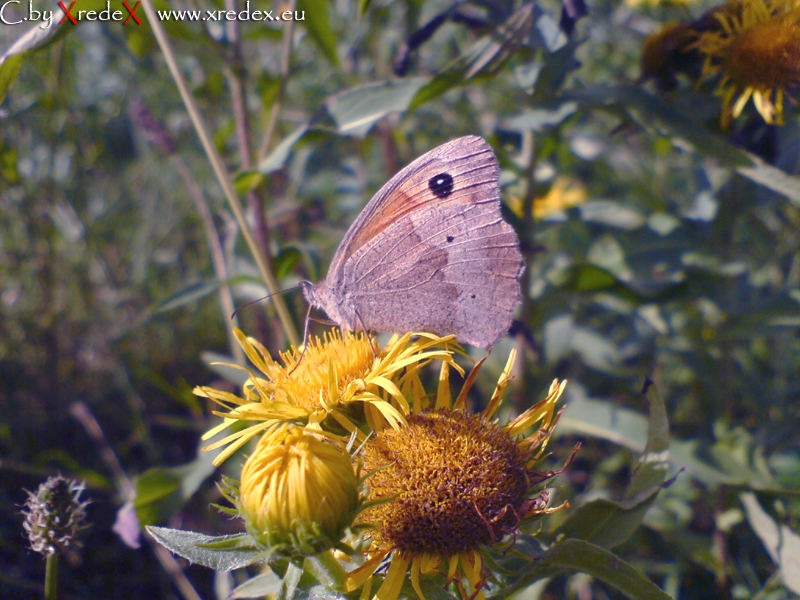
point(334, 305)
point(310, 291)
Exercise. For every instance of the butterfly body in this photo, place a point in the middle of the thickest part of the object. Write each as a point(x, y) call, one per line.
point(430, 252)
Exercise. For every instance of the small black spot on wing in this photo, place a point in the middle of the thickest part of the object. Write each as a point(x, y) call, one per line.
point(441, 185)
point(450, 238)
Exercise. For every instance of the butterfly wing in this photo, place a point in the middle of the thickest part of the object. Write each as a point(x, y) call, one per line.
point(430, 252)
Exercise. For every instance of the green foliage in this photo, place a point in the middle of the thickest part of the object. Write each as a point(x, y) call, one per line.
point(579, 555)
point(161, 491)
point(221, 553)
point(680, 265)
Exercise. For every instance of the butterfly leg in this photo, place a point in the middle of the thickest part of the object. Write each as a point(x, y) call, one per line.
point(365, 330)
point(305, 340)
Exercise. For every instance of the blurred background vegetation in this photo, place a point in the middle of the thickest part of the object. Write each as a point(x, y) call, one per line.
point(659, 245)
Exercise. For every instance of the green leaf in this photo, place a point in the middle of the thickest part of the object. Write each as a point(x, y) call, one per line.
point(280, 153)
point(302, 583)
point(290, 585)
point(689, 545)
point(232, 551)
point(712, 463)
point(654, 114)
point(608, 523)
point(37, 38)
point(486, 56)
point(9, 70)
point(356, 110)
point(586, 277)
point(577, 555)
point(605, 522)
point(434, 588)
point(259, 586)
point(562, 337)
point(605, 420)
point(541, 118)
point(285, 261)
point(191, 293)
point(246, 181)
point(320, 593)
point(772, 178)
point(651, 471)
point(315, 20)
point(162, 491)
point(326, 569)
point(612, 214)
point(781, 543)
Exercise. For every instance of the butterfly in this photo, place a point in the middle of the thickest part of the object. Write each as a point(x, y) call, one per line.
point(429, 252)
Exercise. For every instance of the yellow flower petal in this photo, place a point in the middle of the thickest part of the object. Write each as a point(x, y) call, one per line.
point(391, 586)
point(357, 577)
point(335, 372)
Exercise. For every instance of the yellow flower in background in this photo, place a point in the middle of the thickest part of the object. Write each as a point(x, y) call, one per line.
point(298, 491)
point(340, 383)
point(756, 50)
point(563, 194)
point(448, 485)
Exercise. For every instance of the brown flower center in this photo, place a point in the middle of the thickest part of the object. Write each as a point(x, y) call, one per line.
point(767, 55)
point(452, 481)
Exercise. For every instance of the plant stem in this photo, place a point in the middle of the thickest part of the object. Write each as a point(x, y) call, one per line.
point(236, 74)
point(528, 223)
point(217, 253)
point(220, 170)
point(286, 53)
point(51, 577)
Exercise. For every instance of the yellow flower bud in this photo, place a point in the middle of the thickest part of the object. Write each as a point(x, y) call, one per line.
point(298, 491)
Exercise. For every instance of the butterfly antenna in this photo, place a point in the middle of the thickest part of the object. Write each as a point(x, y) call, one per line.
point(257, 300)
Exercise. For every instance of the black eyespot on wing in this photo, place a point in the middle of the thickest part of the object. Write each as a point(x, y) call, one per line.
point(450, 238)
point(472, 296)
point(441, 185)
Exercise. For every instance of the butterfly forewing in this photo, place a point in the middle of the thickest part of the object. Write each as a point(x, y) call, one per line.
point(430, 252)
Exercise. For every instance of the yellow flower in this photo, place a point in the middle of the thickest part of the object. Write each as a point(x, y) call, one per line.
point(756, 49)
point(298, 491)
point(448, 485)
point(339, 384)
point(563, 194)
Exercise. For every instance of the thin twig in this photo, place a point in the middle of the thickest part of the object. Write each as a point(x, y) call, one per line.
point(528, 220)
point(127, 491)
point(80, 411)
point(286, 52)
point(217, 254)
point(528, 223)
point(236, 74)
point(174, 570)
point(219, 169)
